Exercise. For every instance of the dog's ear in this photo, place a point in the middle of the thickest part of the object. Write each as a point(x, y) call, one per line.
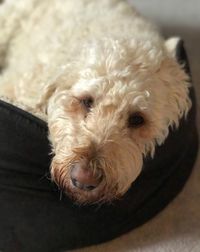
point(178, 80)
point(175, 47)
point(62, 81)
point(45, 94)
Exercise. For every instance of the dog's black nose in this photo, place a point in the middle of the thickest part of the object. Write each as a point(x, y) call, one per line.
point(84, 178)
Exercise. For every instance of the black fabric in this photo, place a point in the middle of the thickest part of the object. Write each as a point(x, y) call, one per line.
point(34, 216)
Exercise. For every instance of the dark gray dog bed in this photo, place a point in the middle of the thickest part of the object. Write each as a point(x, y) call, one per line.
point(34, 218)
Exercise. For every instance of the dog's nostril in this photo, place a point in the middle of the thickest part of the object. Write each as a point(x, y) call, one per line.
point(90, 188)
point(76, 183)
point(82, 186)
point(83, 178)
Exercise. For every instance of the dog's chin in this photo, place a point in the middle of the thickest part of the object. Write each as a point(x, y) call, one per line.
point(81, 197)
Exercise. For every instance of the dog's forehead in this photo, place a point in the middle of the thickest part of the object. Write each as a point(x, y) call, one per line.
point(87, 86)
point(134, 93)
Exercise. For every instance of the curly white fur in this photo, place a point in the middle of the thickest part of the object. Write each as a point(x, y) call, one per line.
point(53, 52)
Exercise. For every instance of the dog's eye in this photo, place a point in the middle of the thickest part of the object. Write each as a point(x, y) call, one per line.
point(136, 120)
point(87, 102)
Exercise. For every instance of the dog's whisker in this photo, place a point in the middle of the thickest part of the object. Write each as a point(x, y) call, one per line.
point(61, 194)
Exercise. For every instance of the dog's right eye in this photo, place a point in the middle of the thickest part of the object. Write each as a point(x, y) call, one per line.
point(87, 102)
point(136, 120)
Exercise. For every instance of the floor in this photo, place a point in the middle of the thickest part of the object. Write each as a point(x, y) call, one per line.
point(177, 227)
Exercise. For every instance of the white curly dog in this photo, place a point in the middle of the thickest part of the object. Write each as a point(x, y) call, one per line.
point(105, 80)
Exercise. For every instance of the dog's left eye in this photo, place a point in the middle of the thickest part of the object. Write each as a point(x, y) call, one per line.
point(87, 102)
point(136, 120)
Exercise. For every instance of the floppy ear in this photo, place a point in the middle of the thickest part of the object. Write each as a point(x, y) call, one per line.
point(178, 78)
point(46, 93)
point(62, 81)
point(175, 47)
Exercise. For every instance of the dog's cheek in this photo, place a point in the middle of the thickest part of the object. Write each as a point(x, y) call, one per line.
point(177, 84)
point(60, 172)
point(144, 138)
point(132, 169)
point(142, 134)
point(123, 164)
point(64, 118)
point(55, 133)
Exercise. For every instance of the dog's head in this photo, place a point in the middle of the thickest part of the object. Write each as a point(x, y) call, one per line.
point(108, 110)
